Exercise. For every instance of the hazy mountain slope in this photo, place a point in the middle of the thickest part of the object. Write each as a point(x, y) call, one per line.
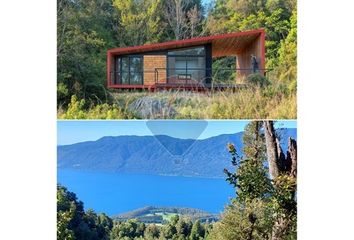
point(162, 155)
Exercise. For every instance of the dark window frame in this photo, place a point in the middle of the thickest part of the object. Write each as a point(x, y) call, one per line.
point(120, 70)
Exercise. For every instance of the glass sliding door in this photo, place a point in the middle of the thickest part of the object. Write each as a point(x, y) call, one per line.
point(177, 66)
point(136, 70)
point(130, 70)
point(125, 70)
point(196, 68)
point(186, 65)
point(116, 73)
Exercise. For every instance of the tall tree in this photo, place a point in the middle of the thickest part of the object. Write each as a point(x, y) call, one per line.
point(184, 17)
point(283, 170)
point(74, 223)
point(247, 7)
point(248, 217)
point(287, 67)
point(197, 232)
point(139, 21)
point(250, 178)
point(152, 232)
point(194, 18)
point(131, 229)
point(265, 206)
point(82, 41)
point(176, 17)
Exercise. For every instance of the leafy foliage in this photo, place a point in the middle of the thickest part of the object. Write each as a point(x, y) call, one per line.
point(198, 231)
point(256, 79)
point(262, 203)
point(287, 68)
point(177, 228)
point(76, 110)
point(250, 178)
point(139, 20)
point(74, 223)
point(251, 220)
point(130, 229)
point(82, 41)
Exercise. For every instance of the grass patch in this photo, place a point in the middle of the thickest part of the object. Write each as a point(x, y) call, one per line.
point(246, 103)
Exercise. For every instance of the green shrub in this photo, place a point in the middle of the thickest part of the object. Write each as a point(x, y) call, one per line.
point(236, 225)
point(77, 110)
point(257, 80)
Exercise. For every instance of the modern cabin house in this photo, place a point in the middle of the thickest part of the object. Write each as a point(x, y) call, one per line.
point(185, 63)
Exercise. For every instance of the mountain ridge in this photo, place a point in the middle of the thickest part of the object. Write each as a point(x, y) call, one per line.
point(160, 155)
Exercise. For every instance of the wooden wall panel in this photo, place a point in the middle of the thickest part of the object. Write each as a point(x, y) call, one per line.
point(244, 59)
point(150, 63)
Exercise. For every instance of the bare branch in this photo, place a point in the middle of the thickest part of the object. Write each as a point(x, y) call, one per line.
point(194, 20)
point(176, 16)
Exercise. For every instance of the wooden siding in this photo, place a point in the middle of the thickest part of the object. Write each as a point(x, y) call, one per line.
point(243, 60)
point(150, 63)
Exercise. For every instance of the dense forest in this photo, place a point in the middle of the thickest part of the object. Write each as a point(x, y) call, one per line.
point(265, 206)
point(74, 223)
point(87, 28)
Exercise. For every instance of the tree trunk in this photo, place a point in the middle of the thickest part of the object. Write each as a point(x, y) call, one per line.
point(272, 148)
point(292, 155)
point(280, 165)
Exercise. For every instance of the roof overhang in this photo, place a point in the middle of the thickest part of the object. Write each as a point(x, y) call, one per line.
point(222, 45)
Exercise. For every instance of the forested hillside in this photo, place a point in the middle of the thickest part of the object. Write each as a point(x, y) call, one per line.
point(87, 28)
point(159, 155)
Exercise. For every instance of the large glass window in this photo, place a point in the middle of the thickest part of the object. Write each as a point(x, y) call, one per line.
point(130, 70)
point(136, 70)
point(188, 51)
point(186, 65)
point(124, 72)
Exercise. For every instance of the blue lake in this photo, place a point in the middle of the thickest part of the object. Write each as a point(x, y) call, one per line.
point(114, 193)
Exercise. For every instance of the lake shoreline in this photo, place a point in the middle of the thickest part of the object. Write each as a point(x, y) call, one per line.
point(114, 194)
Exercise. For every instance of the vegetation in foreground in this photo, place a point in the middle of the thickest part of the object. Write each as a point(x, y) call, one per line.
point(265, 206)
point(251, 103)
point(74, 223)
point(83, 41)
point(265, 184)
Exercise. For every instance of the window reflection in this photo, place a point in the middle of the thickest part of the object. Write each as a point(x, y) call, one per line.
point(188, 51)
point(130, 70)
point(186, 65)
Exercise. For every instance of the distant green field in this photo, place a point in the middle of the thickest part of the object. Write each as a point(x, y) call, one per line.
point(161, 215)
point(166, 216)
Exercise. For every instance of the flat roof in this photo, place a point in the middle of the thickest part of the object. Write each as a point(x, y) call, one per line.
point(223, 44)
